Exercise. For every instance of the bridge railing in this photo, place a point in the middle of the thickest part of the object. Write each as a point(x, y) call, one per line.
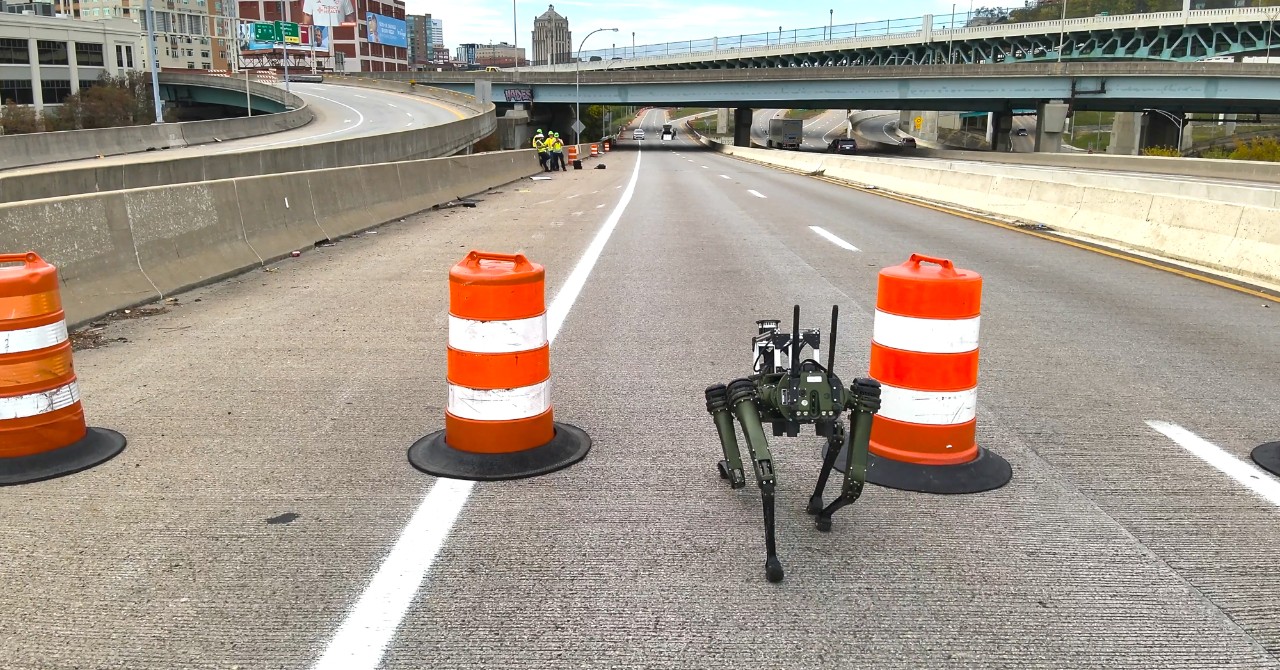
point(935, 26)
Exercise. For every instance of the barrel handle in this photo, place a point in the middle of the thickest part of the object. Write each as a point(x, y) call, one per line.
point(473, 259)
point(29, 258)
point(948, 268)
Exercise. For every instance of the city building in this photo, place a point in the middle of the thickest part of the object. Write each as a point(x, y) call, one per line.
point(29, 7)
point(439, 53)
point(491, 55)
point(45, 59)
point(420, 45)
point(552, 41)
point(345, 35)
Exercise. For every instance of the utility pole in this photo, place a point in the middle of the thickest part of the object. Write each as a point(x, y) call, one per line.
point(153, 58)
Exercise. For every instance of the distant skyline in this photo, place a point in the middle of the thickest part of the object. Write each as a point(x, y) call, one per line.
point(484, 21)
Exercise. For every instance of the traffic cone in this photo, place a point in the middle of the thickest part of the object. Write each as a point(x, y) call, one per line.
point(924, 353)
point(499, 422)
point(42, 426)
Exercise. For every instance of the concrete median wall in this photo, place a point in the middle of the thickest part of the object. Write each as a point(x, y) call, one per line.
point(124, 248)
point(68, 145)
point(419, 143)
point(1237, 232)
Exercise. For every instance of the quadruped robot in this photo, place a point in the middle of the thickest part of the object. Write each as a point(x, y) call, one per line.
point(786, 390)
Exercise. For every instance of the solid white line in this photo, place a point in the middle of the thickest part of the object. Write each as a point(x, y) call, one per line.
point(309, 137)
point(832, 238)
point(366, 631)
point(755, 193)
point(1254, 478)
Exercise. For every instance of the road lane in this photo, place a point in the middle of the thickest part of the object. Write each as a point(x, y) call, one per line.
point(300, 390)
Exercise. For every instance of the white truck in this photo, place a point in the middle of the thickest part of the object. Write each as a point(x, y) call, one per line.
point(785, 133)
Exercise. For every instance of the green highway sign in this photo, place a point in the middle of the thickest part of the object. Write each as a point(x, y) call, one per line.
point(290, 32)
point(266, 32)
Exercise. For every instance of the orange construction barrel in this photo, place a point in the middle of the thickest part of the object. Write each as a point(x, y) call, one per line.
point(595, 150)
point(924, 353)
point(498, 421)
point(42, 425)
point(573, 152)
point(607, 146)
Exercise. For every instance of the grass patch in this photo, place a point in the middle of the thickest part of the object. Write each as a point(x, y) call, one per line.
point(681, 112)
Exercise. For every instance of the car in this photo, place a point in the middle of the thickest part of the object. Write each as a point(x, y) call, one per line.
point(1021, 132)
point(843, 145)
point(637, 134)
point(907, 142)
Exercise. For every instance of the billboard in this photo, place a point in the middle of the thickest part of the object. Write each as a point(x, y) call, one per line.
point(386, 30)
point(324, 12)
point(312, 38)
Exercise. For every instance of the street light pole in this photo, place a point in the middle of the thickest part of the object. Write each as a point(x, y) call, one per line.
point(153, 56)
point(1062, 25)
point(515, 36)
point(577, 86)
point(831, 24)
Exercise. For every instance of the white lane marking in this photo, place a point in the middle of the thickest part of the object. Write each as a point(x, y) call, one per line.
point(571, 197)
point(833, 239)
point(308, 137)
point(756, 193)
point(357, 95)
point(703, 167)
point(600, 205)
point(366, 631)
point(1252, 477)
point(408, 124)
point(392, 105)
point(346, 120)
point(409, 114)
point(725, 176)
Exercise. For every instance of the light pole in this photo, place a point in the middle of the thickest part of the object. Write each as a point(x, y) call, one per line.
point(831, 23)
point(577, 86)
point(515, 36)
point(951, 34)
point(1062, 25)
point(153, 56)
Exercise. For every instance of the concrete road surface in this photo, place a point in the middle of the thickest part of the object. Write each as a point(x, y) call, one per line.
point(264, 514)
point(342, 112)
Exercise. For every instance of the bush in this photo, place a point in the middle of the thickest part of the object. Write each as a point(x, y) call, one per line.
point(1216, 152)
point(1161, 151)
point(17, 120)
point(1259, 149)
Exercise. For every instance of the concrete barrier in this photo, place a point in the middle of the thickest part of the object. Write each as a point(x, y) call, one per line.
point(56, 147)
point(123, 248)
point(419, 143)
point(1235, 234)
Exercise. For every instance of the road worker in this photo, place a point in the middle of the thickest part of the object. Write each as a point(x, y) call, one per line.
point(557, 153)
point(544, 155)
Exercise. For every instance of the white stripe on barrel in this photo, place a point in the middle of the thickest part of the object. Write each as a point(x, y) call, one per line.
point(936, 408)
point(35, 404)
point(32, 339)
point(497, 337)
point(928, 336)
point(499, 404)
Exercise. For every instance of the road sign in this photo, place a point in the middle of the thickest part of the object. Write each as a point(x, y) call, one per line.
point(266, 32)
point(578, 127)
point(919, 121)
point(290, 32)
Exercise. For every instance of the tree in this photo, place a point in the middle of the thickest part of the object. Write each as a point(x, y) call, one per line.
point(17, 119)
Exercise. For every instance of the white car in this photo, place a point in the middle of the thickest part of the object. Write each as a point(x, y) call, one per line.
point(637, 134)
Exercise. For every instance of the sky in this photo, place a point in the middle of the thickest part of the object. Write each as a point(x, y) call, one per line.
point(657, 21)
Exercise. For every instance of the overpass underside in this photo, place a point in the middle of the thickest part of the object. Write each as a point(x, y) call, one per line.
point(1167, 43)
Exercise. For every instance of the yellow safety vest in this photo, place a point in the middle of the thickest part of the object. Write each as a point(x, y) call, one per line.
point(540, 145)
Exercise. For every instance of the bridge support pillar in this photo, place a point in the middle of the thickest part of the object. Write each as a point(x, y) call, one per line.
point(742, 127)
point(1126, 132)
point(1000, 126)
point(927, 129)
point(1051, 120)
point(722, 121)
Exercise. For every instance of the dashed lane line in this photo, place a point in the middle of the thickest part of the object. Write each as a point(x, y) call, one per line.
point(832, 238)
point(1246, 474)
point(756, 193)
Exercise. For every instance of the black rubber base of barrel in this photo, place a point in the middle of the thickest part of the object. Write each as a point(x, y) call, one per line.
point(986, 472)
point(98, 446)
point(433, 456)
point(1267, 456)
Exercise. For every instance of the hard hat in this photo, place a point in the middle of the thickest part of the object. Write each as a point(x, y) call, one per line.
point(539, 131)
